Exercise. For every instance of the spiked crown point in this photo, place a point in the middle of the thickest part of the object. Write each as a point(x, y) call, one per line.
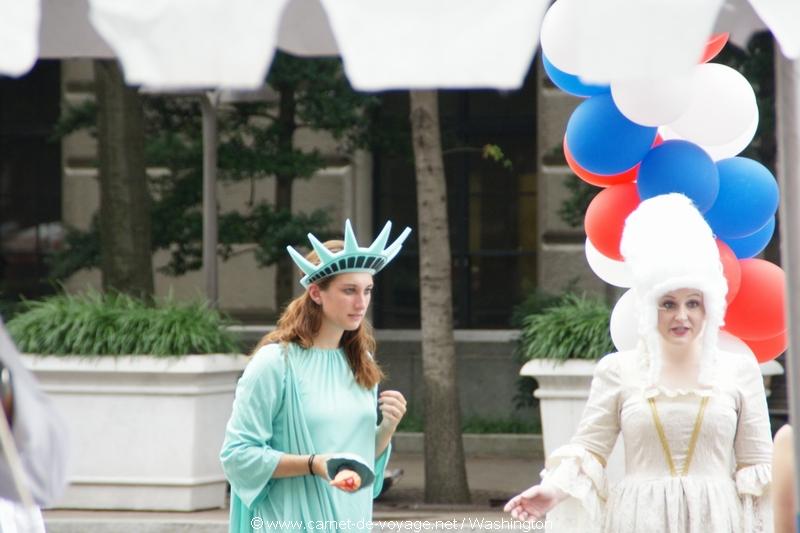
point(352, 258)
point(350, 242)
point(305, 265)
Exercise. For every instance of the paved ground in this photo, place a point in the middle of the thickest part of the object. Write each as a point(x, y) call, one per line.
point(492, 481)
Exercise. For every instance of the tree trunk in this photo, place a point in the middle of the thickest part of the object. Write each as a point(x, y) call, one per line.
point(284, 275)
point(284, 269)
point(126, 252)
point(445, 469)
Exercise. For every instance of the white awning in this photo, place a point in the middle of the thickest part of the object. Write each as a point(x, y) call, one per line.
point(385, 44)
point(19, 26)
point(188, 44)
point(392, 44)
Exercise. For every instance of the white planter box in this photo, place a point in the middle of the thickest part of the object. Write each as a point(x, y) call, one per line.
point(562, 393)
point(145, 431)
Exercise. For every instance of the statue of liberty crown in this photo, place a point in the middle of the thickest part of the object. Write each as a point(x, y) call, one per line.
point(352, 258)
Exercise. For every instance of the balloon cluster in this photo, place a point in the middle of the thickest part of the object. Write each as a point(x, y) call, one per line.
point(641, 138)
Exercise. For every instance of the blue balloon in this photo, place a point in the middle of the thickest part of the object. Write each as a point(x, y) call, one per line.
point(570, 83)
point(748, 197)
point(602, 140)
point(754, 244)
point(679, 166)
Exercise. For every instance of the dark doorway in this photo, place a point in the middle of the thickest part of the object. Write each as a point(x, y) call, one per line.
point(30, 179)
point(492, 209)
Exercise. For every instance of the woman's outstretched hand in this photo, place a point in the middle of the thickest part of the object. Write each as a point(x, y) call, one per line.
point(535, 502)
point(347, 480)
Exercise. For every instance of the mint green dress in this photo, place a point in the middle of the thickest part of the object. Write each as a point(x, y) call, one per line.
point(298, 401)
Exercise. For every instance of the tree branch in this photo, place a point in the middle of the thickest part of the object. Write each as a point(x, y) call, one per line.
point(242, 251)
point(463, 150)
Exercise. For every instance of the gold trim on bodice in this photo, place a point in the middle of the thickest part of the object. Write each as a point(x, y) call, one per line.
point(692, 441)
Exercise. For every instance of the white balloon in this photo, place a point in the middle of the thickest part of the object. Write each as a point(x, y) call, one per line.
point(624, 324)
point(735, 147)
point(731, 343)
point(559, 35)
point(653, 102)
point(617, 273)
point(724, 151)
point(722, 108)
point(635, 39)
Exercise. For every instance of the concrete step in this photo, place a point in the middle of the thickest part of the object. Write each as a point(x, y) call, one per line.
point(83, 521)
point(492, 480)
point(431, 519)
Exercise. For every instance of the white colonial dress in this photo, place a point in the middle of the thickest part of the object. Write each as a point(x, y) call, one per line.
point(697, 460)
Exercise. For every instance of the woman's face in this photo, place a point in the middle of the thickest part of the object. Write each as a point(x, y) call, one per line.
point(345, 300)
point(681, 314)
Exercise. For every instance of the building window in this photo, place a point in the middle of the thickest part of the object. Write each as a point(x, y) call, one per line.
point(30, 179)
point(491, 209)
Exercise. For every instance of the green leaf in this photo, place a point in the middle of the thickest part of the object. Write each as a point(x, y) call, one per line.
point(575, 328)
point(117, 324)
point(256, 142)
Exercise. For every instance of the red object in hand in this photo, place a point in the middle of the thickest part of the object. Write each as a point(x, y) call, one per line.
point(347, 480)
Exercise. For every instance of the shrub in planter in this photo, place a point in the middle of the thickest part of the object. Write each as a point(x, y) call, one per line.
point(118, 324)
point(561, 345)
point(574, 328)
point(147, 390)
point(558, 328)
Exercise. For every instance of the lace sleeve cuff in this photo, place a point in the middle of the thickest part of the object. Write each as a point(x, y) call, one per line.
point(752, 483)
point(579, 474)
point(753, 480)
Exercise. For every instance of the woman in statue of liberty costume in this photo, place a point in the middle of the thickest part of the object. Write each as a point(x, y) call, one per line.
point(303, 449)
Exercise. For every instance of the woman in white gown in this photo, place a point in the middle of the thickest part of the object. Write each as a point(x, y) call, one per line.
point(693, 418)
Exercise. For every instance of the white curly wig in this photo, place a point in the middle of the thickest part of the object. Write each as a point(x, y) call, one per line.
point(669, 245)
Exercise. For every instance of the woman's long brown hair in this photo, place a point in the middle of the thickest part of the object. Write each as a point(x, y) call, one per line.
point(302, 319)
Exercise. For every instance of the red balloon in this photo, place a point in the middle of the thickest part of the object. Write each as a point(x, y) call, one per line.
point(715, 45)
point(605, 217)
point(758, 311)
point(731, 269)
point(769, 349)
point(659, 140)
point(600, 180)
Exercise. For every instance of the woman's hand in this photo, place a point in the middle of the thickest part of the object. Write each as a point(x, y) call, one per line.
point(392, 404)
point(347, 480)
point(534, 503)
